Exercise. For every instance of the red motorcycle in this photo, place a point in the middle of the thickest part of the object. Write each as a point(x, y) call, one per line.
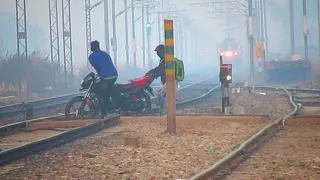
point(131, 96)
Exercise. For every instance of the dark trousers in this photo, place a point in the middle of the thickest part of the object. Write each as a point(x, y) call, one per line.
point(104, 91)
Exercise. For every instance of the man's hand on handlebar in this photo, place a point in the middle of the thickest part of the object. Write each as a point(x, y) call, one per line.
point(149, 74)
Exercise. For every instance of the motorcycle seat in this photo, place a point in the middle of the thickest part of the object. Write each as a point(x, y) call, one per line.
point(124, 87)
point(131, 84)
point(140, 81)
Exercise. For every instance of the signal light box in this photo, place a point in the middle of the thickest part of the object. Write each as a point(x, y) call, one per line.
point(226, 67)
point(226, 73)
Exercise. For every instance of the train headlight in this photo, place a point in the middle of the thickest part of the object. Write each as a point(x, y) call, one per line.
point(228, 77)
point(229, 53)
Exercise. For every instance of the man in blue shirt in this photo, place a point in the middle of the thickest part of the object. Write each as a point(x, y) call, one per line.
point(102, 63)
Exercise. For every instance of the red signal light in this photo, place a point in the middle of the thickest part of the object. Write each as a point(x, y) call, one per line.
point(88, 101)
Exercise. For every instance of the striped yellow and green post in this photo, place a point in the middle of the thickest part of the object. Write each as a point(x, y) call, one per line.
point(170, 76)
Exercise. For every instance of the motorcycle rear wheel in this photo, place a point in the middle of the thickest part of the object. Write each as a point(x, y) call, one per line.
point(84, 111)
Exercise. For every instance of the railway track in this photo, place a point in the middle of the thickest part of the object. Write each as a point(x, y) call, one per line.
point(54, 106)
point(49, 102)
point(240, 153)
point(42, 103)
point(224, 168)
point(25, 137)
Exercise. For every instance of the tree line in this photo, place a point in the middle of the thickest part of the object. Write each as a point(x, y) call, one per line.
point(33, 74)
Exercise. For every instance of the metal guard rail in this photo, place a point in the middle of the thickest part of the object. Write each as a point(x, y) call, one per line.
point(39, 102)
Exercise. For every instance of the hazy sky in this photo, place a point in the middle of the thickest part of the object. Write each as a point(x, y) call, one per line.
point(213, 29)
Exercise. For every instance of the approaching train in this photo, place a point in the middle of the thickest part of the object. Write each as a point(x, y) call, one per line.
point(231, 50)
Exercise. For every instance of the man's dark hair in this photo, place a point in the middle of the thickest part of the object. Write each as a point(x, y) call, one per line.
point(94, 45)
point(160, 48)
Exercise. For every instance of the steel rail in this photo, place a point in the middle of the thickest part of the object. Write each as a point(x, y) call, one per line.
point(8, 128)
point(192, 101)
point(224, 166)
point(218, 168)
point(23, 124)
point(307, 102)
point(16, 109)
point(67, 96)
point(9, 155)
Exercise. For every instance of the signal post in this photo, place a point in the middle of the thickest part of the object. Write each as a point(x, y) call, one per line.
point(170, 76)
point(225, 76)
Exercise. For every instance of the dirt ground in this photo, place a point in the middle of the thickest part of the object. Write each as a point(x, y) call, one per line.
point(139, 148)
point(293, 154)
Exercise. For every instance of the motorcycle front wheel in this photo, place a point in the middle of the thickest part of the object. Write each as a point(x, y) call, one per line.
point(79, 108)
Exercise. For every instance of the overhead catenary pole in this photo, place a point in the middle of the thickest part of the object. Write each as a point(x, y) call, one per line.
point(168, 9)
point(305, 29)
point(106, 25)
point(22, 40)
point(143, 36)
point(193, 46)
point(250, 34)
point(261, 21)
point(291, 2)
point(21, 24)
point(88, 28)
point(134, 43)
point(197, 46)
point(170, 77)
point(256, 22)
point(148, 36)
point(126, 31)
point(318, 28)
point(186, 44)
point(265, 27)
point(114, 32)
point(54, 41)
point(67, 43)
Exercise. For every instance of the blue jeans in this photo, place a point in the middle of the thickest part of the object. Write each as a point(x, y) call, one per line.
point(162, 103)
